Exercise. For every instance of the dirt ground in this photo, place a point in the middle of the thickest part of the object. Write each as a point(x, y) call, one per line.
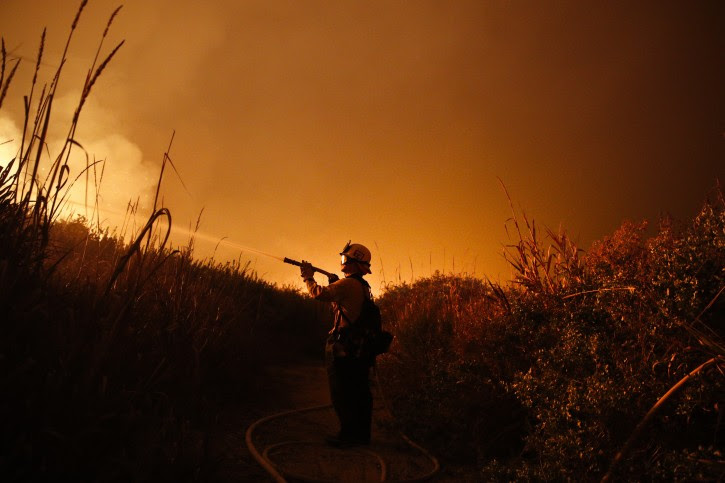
point(285, 387)
point(296, 441)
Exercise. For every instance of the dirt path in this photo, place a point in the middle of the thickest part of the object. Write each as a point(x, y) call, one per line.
point(296, 441)
point(284, 387)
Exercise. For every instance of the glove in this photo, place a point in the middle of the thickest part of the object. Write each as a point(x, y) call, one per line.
point(306, 270)
point(332, 278)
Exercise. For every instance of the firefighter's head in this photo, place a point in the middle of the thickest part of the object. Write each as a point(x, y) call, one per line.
point(355, 258)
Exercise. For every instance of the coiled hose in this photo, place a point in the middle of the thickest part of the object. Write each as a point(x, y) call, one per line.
point(264, 460)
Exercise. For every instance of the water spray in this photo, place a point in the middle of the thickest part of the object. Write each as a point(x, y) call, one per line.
point(245, 248)
point(281, 259)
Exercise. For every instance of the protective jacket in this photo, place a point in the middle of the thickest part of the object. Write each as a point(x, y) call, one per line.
point(348, 377)
point(347, 296)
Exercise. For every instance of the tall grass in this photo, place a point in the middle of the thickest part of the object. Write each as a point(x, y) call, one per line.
point(547, 377)
point(117, 357)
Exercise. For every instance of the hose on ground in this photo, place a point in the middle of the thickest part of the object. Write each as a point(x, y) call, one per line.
point(265, 461)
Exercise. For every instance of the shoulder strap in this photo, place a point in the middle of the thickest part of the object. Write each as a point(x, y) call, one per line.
point(367, 295)
point(367, 290)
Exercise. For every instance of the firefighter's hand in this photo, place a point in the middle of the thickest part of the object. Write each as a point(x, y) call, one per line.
point(332, 278)
point(306, 270)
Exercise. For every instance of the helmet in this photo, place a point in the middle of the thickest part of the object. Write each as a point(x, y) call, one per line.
point(357, 253)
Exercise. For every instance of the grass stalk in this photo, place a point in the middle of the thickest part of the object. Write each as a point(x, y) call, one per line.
point(628, 445)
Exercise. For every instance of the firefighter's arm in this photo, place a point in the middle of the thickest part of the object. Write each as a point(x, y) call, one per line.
point(306, 271)
point(331, 293)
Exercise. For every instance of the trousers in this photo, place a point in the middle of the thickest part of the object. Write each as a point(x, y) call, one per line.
point(349, 382)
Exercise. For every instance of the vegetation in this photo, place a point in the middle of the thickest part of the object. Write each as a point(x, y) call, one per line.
point(117, 356)
point(547, 378)
point(128, 383)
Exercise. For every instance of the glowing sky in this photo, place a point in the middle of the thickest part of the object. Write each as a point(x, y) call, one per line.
point(302, 124)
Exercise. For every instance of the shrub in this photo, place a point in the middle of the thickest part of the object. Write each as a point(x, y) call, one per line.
point(566, 361)
point(118, 357)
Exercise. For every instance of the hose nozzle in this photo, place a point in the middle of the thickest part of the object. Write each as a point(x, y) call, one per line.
point(296, 263)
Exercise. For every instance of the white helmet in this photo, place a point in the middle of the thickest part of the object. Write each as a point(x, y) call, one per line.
point(355, 252)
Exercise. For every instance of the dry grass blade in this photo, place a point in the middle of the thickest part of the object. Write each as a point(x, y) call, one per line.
point(105, 32)
point(163, 166)
point(5, 87)
point(28, 100)
point(78, 14)
point(500, 294)
point(3, 59)
point(63, 58)
point(5, 172)
point(708, 337)
point(178, 175)
point(599, 290)
point(38, 62)
point(63, 177)
point(511, 205)
point(135, 247)
point(6, 182)
point(60, 197)
point(110, 20)
point(158, 265)
point(638, 429)
point(25, 151)
point(89, 85)
point(42, 137)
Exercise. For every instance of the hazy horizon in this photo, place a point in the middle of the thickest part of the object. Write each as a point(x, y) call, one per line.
point(302, 125)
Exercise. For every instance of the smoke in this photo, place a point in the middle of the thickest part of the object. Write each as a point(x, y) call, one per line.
point(128, 113)
point(106, 169)
point(9, 136)
point(109, 171)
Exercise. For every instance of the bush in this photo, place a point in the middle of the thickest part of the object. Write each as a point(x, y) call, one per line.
point(547, 377)
point(127, 383)
point(116, 358)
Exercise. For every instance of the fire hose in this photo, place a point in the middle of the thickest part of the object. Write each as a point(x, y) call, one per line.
point(265, 461)
point(263, 457)
point(299, 264)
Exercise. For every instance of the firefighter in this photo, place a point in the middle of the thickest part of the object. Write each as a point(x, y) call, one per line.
point(348, 375)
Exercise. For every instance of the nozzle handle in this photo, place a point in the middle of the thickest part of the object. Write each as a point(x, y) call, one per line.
point(295, 262)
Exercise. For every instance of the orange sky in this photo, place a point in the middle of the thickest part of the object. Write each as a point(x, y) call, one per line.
point(302, 124)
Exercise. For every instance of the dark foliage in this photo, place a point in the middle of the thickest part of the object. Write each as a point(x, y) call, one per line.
point(116, 358)
point(128, 385)
point(547, 378)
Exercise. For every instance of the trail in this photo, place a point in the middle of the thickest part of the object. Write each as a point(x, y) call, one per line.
point(295, 441)
point(285, 386)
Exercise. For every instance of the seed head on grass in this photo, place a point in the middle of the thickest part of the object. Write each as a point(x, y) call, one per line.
point(3, 54)
point(78, 14)
point(5, 87)
point(38, 61)
point(110, 20)
point(92, 81)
